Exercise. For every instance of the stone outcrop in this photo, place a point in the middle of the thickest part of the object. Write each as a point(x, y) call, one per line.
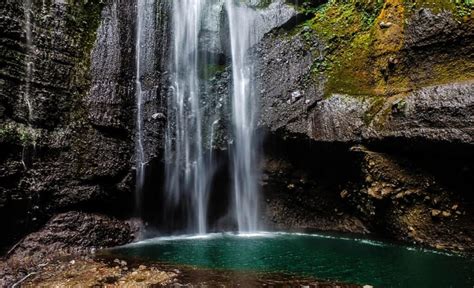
point(66, 126)
point(71, 232)
point(402, 199)
point(303, 91)
point(394, 77)
point(437, 113)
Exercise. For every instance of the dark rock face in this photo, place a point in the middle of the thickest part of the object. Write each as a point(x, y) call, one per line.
point(292, 92)
point(427, 28)
point(155, 84)
point(398, 187)
point(74, 150)
point(299, 194)
point(72, 232)
point(112, 70)
point(399, 190)
point(404, 200)
point(288, 89)
point(76, 230)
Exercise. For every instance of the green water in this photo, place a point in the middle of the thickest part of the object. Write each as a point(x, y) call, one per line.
point(309, 255)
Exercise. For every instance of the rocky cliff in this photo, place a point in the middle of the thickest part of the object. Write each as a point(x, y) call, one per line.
point(396, 77)
point(66, 110)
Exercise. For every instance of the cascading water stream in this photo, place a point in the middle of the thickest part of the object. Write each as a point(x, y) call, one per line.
point(245, 148)
point(202, 32)
point(26, 154)
point(140, 155)
point(186, 167)
point(144, 90)
point(29, 61)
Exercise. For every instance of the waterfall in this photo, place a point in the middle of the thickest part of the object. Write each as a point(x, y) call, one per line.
point(186, 179)
point(207, 34)
point(245, 148)
point(145, 89)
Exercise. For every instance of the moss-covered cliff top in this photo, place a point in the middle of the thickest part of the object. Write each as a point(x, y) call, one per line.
point(384, 48)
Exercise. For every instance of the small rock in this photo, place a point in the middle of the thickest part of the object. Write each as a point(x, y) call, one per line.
point(399, 195)
point(123, 263)
point(291, 186)
point(141, 267)
point(72, 262)
point(295, 95)
point(158, 116)
point(446, 214)
point(344, 194)
point(455, 207)
point(435, 212)
point(440, 246)
point(385, 25)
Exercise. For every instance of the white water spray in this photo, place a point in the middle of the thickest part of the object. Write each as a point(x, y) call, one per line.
point(245, 149)
point(197, 35)
point(186, 171)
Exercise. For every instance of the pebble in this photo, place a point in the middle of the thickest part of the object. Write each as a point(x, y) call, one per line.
point(385, 25)
point(344, 194)
point(446, 214)
point(435, 212)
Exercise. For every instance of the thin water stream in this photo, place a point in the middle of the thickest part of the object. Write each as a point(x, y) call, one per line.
point(28, 7)
point(145, 90)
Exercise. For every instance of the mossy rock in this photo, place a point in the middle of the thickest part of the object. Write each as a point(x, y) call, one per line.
point(365, 51)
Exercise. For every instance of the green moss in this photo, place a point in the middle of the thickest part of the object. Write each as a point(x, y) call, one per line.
point(375, 107)
point(208, 71)
point(83, 20)
point(366, 56)
point(17, 134)
point(345, 28)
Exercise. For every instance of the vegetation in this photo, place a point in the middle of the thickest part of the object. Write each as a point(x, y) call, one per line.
point(17, 134)
point(366, 53)
point(365, 45)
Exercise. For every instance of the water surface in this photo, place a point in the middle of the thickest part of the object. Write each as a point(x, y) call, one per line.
point(348, 260)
